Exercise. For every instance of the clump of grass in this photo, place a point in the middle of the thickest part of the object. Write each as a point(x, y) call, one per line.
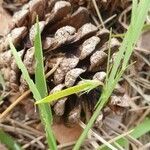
point(114, 73)
point(139, 13)
point(38, 89)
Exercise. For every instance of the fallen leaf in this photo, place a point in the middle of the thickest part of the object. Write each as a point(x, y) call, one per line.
point(66, 134)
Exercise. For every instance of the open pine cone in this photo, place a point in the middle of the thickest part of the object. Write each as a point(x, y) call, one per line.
point(70, 39)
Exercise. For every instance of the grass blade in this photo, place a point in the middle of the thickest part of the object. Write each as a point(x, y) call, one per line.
point(134, 10)
point(86, 86)
point(7, 140)
point(44, 109)
point(24, 71)
point(40, 81)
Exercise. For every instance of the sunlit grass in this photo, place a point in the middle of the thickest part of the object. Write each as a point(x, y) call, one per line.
point(38, 89)
point(139, 13)
point(114, 73)
point(86, 86)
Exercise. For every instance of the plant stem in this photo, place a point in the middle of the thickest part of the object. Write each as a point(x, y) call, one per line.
point(90, 123)
point(45, 113)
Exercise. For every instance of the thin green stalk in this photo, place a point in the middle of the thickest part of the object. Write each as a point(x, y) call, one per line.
point(134, 10)
point(24, 71)
point(44, 109)
point(88, 127)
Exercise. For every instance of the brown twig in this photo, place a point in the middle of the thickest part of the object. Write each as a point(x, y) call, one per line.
point(98, 13)
point(4, 114)
point(34, 141)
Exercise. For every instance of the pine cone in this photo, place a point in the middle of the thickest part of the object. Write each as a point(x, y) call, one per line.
point(67, 34)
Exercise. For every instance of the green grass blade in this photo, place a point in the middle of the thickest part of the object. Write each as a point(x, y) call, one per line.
point(124, 45)
point(44, 110)
point(86, 86)
point(127, 45)
point(146, 28)
point(118, 59)
point(24, 71)
point(134, 10)
point(45, 114)
point(136, 28)
point(88, 127)
point(40, 81)
point(7, 140)
point(139, 130)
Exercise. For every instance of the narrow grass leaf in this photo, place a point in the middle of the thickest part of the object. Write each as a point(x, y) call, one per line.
point(141, 129)
point(40, 82)
point(24, 71)
point(136, 28)
point(44, 110)
point(85, 86)
point(134, 10)
point(7, 140)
